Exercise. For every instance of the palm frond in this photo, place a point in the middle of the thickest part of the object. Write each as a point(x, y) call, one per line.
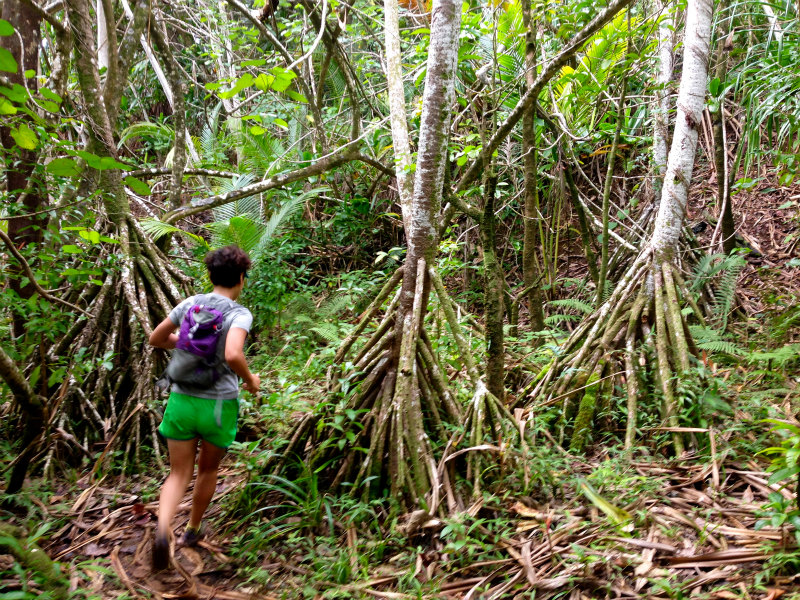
point(157, 229)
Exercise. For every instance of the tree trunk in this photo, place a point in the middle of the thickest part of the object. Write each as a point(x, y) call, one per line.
point(397, 109)
point(25, 192)
point(625, 329)
point(32, 407)
point(493, 294)
point(691, 101)
point(726, 223)
point(400, 390)
point(530, 272)
point(662, 109)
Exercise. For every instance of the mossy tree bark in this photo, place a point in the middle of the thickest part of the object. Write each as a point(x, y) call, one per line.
point(531, 216)
point(643, 314)
point(494, 283)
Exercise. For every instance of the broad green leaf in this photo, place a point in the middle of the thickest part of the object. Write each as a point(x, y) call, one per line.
point(138, 186)
point(16, 93)
point(62, 167)
point(101, 163)
point(25, 137)
point(50, 95)
point(263, 82)
point(281, 84)
point(49, 106)
point(6, 28)
point(90, 235)
point(296, 96)
point(71, 249)
point(244, 82)
point(7, 62)
point(6, 108)
point(281, 123)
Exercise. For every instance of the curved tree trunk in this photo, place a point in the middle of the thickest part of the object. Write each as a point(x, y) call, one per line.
point(691, 101)
point(401, 392)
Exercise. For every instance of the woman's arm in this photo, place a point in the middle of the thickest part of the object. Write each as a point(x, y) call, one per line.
point(164, 335)
point(234, 356)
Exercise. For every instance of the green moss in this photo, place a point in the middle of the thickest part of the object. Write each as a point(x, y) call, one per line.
point(585, 416)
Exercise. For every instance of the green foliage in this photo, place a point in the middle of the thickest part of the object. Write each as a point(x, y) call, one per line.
point(721, 272)
point(785, 464)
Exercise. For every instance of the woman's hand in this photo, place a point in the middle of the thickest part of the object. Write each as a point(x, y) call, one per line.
point(254, 384)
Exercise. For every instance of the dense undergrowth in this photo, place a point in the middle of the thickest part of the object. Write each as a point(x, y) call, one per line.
point(293, 538)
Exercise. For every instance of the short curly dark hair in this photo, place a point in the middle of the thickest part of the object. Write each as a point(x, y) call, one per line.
point(226, 265)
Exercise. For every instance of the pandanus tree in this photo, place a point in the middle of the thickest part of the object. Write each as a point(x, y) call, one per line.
point(397, 402)
point(402, 387)
point(105, 387)
point(643, 315)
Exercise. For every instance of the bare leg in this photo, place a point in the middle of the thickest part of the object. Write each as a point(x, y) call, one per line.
point(206, 484)
point(181, 469)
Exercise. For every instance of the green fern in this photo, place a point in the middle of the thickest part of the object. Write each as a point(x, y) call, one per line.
point(553, 320)
point(573, 304)
point(148, 129)
point(778, 358)
point(713, 340)
point(249, 231)
point(721, 272)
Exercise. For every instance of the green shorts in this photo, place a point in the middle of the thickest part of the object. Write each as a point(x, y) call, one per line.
point(189, 417)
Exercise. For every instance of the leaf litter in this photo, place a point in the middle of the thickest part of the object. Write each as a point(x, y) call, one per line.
point(690, 537)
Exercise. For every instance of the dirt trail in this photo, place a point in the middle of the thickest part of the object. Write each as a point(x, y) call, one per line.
point(109, 523)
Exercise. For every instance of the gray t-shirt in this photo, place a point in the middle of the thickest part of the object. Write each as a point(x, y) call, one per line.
point(236, 315)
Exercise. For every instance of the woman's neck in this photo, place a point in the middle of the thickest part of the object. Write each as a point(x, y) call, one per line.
point(232, 293)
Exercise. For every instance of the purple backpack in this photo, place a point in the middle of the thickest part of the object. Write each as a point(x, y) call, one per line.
point(195, 360)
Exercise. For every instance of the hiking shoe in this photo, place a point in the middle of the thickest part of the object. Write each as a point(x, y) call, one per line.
point(160, 552)
point(191, 536)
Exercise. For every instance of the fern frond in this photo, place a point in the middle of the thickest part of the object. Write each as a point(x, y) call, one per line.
point(573, 304)
point(327, 331)
point(721, 346)
point(147, 129)
point(559, 318)
point(779, 357)
point(280, 217)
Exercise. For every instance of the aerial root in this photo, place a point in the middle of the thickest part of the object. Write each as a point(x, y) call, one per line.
point(398, 398)
point(123, 310)
point(642, 315)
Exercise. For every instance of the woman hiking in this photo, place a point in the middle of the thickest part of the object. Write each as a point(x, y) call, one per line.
point(203, 407)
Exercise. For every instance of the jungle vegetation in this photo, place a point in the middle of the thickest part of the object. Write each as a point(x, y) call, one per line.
point(524, 282)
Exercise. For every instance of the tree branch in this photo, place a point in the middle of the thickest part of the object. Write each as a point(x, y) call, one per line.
point(23, 393)
point(29, 273)
point(155, 172)
point(324, 164)
point(58, 26)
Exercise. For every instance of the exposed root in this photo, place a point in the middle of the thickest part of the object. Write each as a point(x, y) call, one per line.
point(95, 403)
point(642, 315)
point(397, 401)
